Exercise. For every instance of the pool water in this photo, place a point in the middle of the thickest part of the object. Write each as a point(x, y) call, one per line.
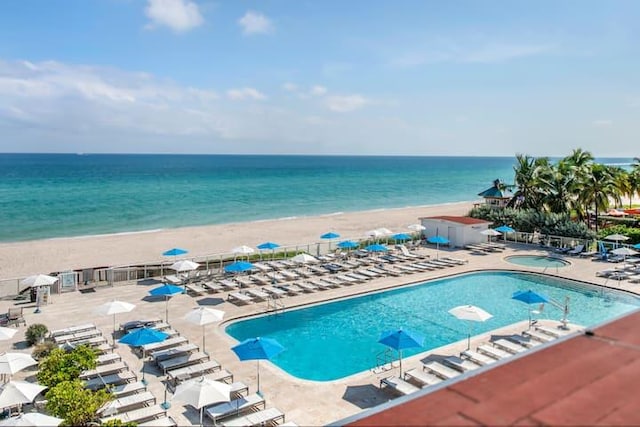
point(536, 261)
point(333, 340)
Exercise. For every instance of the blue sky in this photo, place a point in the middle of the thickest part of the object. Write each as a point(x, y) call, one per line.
point(320, 77)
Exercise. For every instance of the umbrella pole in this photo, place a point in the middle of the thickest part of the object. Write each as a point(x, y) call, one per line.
point(144, 381)
point(400, 358)
point(166, 309)
point(469, 338)
point(258, 365)
point(165, 405)
point(114, 329)
point(201, 411)
point(203, 346)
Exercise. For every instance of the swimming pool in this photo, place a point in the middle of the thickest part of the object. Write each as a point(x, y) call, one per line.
point(332, 340)
point(536, 261)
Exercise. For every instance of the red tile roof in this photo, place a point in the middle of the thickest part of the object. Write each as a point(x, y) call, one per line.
point(584, 380)
point(467, 220)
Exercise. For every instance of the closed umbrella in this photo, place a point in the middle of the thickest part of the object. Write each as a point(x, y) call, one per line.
point(399, 339)
point(472, 314)
point(204, 316)
point(258, 348)
point(202, 392)
point(112, 308)
point(10, 363)
point(18, 392)
point(167, 291)
point(7, 333)
point(529, 297)
point(32, 419)
point(141, 337)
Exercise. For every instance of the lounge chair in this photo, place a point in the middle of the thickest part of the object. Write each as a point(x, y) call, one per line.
point(494, 352)
point(576, 251)
point(257, 294)
point(269, 416)
point(308, 287)
point(440, 370)
point(195, 289)
point(181, 350)
point(275, 292)
point(421, 377)
point(168, 343)
point(262, 267)
point(358, 277)
point(77, 336)
point(105, 359)
point(456, 260)
point(549, 331)
point(138, 416)
point(478, 358)
point(127, 389)
point(509, 346)
point(289, 275)
point(184, 360)
point(635, 278)
point(398, 385)
point(321, 284)
point(103, 370)
point(538, 336)
point(127, 403)
point(72, 329)
point(523, 341)
point(240, 297)
point(462, 365)
point(182, 374)
point(244, 281)
point(229, 284)
point(237, 406)
point(120, 378)
point(291, 288)
point(159, 422)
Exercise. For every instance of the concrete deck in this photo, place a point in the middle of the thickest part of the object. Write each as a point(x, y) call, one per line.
point(303, 402)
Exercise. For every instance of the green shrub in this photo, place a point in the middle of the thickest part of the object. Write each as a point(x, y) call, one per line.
point(60, 366)
point(43, 349)
point(36, 333)
point(73, 402)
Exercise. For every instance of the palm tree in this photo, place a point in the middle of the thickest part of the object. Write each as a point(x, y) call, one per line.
point(527, 171)
point(597, 187)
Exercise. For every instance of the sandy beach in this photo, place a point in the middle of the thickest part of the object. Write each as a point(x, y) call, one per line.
point(21, 259)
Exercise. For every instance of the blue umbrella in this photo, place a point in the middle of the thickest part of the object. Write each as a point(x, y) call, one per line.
point(636, 246)
point(529, 297)
point(167, 291)
point(238, 267)
point(268, 245)
point(258, 349)
point(505, 229)
point(347, 244)
point(400, 339)
point(330, 235)
point(438, 240)
point(401, 237)
point(141, 337)
point(175, 252)
point(377, 248)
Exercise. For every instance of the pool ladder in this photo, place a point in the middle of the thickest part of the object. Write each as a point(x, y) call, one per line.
point(274, 305)
point(384, 360)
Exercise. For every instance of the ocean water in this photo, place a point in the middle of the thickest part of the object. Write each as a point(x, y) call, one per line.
point(65, 195)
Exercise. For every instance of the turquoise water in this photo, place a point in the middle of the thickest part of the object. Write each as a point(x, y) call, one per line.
point(536, 261)
point(333, 340)
point(62, 195)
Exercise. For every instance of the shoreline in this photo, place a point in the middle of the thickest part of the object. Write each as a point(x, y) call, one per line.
point(24, 258)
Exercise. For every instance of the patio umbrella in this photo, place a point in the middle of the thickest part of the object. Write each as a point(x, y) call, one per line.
point(10, 363)
point(112, 308)
point(268, 245)
point(636, 246)
point(529, 297)
point(416, 227)
point(399, 339)
point(625, 252)
point(258, 349)
point(37, 281)
point(243, 250)
point(504, 229)
point(184, 265)
point(204, 316)
point(401, 237)
point(202, 392)
point(304, 258)
point(376, 248)
point(617, 238)
point(175, 252)
point(238, 267)
point(18, 392)
point(374, 234)
point(7, 333)
point(329, 236)
point(167, 291)
point(347, 244)
point(141, 337)
point(472, 314)
point(438, 240)
point(32, 419)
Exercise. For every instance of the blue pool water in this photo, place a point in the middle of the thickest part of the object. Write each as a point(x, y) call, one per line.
point(536, 261)
point(333, 340)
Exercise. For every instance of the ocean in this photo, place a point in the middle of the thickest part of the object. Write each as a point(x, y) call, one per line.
point(46, 196)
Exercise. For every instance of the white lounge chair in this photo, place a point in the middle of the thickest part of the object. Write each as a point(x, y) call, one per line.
point(398, 385)
point(523, 341)
point(237, 406)
point(421, 377)
point(494, 352)
point(509, 346)
point(257, 293)
point(169, 353)
point(538, 336)
point(105, 359)
point(456, 260)
point(308, 287)
point(265, 417)
point(240, 297)
point(123, 390)
point(159, 422)
point(478, 358)
point(441, 370)
point(126, 403)
point(549, 331)
point(182, 360)
point(139, 415)
point(462, 365)
point(102, 370)
point(275, 292)
point(182, 374)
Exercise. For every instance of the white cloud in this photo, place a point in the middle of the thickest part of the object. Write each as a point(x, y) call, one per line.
point(602, 123)
point(179, 15)
point(290, 87)
point(245, 93)
point(346, 103)
point(318, 90)
point(255, 23)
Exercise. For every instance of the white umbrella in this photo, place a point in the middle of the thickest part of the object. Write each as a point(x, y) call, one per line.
point(112, 308)
point(18, 392)
point(616, 237)
point(374, 234)
point(304, 258)
point(416, 227)
point(385, 231)
point(625, 252)
point(39, 280)
point(7, 333)
point(243, 250)
point(203, 316)
point(10, 363)
point(202, 392)
point(470, 313)
point(33, 419)
point(490, 232)
point(184, 265)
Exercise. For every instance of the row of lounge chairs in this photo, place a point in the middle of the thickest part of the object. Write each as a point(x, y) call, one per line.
point(485, 247)
point(436, 371)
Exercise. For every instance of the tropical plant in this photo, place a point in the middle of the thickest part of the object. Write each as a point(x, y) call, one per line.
point(74, 403)
point(35, 333)
point(597, 187)
point(43, 349)
point(60, 366)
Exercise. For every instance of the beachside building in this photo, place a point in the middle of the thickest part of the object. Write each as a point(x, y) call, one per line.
point(497, 196)
point(459, 230)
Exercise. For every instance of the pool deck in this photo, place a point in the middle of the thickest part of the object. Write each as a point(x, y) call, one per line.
point(303, 402)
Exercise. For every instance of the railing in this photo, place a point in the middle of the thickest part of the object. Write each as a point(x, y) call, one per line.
point(274, 304)
point(385, 359)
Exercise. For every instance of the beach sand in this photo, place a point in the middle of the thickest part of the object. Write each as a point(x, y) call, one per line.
point(22, 259)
